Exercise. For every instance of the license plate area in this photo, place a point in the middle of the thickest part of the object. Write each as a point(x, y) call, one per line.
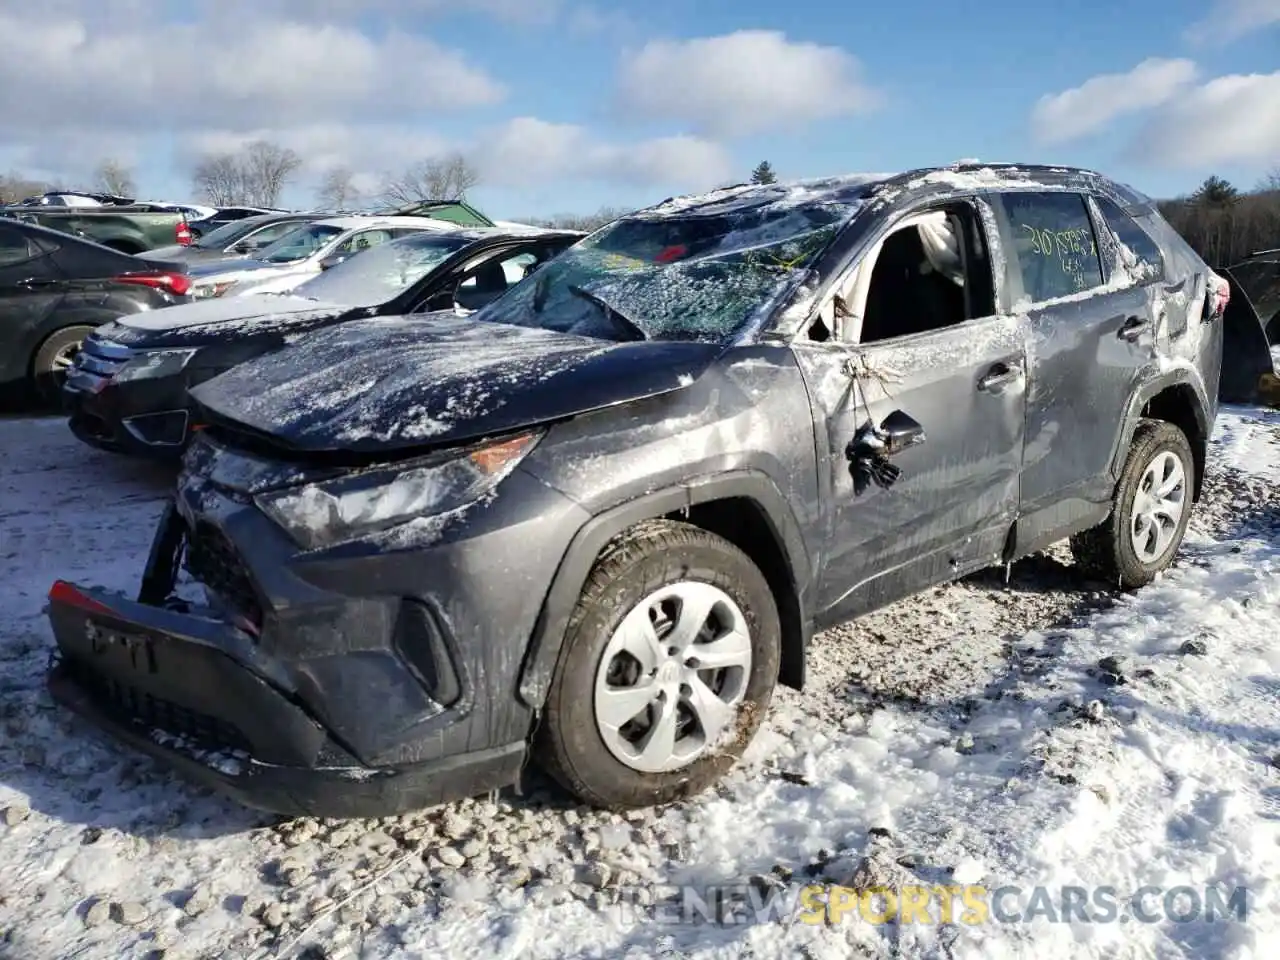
point(121, 651)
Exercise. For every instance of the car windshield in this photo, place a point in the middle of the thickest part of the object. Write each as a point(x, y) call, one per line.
point(299, 244)
point(376, 275)
point(668, 276)
point(226, 234)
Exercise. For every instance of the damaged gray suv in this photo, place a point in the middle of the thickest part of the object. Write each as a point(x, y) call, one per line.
point(595, 523)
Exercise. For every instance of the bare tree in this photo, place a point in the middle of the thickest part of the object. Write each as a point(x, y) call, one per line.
point(337, 190)
point(268, 168)
point(580, 221)
point(256, 175)
point(445, 178)
point(114, 177)
point(1225, 225)
point(218, 178)
point(14, 187)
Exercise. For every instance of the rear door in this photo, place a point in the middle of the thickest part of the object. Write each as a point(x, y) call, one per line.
point(1092, 334)
point(30, 290)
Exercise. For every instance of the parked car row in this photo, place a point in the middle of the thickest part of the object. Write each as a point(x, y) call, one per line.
point(128, 387)
point(596, 521)
point(41, 326)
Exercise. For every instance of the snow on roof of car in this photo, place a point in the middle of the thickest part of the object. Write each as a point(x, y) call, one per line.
point(849, 188)
point(355, 221)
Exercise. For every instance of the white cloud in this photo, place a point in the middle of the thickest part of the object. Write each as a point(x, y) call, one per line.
point(1230, 119)
point(269, 72)
point(1229, 20)
point(1090, 107)
point(743, 83)
point(527, 151)
point(99, 78)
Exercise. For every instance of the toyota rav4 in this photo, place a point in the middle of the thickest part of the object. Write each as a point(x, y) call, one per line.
point(593, 524)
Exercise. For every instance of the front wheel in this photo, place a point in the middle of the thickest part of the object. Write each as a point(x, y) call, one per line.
point(1149, 512)
point(54, 358)
point(668, 666)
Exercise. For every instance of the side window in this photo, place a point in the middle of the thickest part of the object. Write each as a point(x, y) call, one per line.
point(491, 279)
point(1136, 248)
point(272, 233)
point(363, 241)
point(931, 271)
point(14, 248)
point(1054, 244)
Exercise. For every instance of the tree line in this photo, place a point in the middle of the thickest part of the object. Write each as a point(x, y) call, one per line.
point(1224, 224)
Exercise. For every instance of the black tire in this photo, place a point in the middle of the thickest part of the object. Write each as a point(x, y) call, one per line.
point(1107, 550)
point(650, 556)
point(47, 370)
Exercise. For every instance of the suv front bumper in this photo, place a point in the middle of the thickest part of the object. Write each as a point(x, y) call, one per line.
point(334, 690)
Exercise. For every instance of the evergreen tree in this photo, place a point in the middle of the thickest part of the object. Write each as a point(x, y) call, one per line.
point(763, 173)
point(1216, 192)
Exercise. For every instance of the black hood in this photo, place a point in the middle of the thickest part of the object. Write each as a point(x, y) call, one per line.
point(387, 383)
point(222, 320)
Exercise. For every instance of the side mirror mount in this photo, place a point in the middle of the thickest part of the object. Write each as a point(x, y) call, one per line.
point(899, 431)
point(870, 449)
point(328, 263)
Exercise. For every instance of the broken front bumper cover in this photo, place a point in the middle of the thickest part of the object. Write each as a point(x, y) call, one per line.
point(190, 690)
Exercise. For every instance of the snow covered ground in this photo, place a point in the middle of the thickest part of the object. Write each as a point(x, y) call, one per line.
point(1044, 731)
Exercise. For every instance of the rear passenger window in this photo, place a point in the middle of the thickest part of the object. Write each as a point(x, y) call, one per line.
point(1054, 243)
point(1136, 248)
point(13, 247)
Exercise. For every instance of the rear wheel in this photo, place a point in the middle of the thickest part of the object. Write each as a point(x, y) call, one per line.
point(1149, 513)
point(668, 666)
point(54, 358)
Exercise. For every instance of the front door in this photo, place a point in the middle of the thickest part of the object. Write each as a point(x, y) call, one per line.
point(951, 507)
point(30, 288)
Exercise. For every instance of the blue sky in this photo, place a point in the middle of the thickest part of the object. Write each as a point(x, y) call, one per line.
point(568, 107)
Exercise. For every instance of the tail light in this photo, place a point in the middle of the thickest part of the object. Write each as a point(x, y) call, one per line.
point(183, 234)
point(1217, 296)
point(179, 284)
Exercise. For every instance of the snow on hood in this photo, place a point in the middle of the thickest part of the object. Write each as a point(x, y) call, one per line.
point(227, 262)
point(220, 310)
point(387, 382)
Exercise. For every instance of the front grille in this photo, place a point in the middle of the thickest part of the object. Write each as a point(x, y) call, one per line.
point(213, 561)
point(136, 706)
point(102, 358)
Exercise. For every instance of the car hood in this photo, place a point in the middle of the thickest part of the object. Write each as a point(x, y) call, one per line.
point(218, 320)
point(376, 385)
point(193, 255)
point(226, 268)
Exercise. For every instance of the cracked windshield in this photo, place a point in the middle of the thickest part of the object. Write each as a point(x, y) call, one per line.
point(675, 278)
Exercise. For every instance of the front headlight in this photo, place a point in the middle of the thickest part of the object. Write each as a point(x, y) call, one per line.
point(154, 364)
point(422, 492)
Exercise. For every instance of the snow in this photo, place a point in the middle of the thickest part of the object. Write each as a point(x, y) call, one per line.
point(1044, 732)
point(216, 310)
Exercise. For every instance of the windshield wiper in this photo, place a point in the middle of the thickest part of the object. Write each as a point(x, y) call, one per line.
point(624, 323)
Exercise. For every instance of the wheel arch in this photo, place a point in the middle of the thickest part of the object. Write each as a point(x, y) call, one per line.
point(745, 507)
point(57, 322)
point(1176, 399)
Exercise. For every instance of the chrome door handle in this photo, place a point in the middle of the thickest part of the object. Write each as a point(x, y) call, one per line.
point(1133, 328)
point(999, 377)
